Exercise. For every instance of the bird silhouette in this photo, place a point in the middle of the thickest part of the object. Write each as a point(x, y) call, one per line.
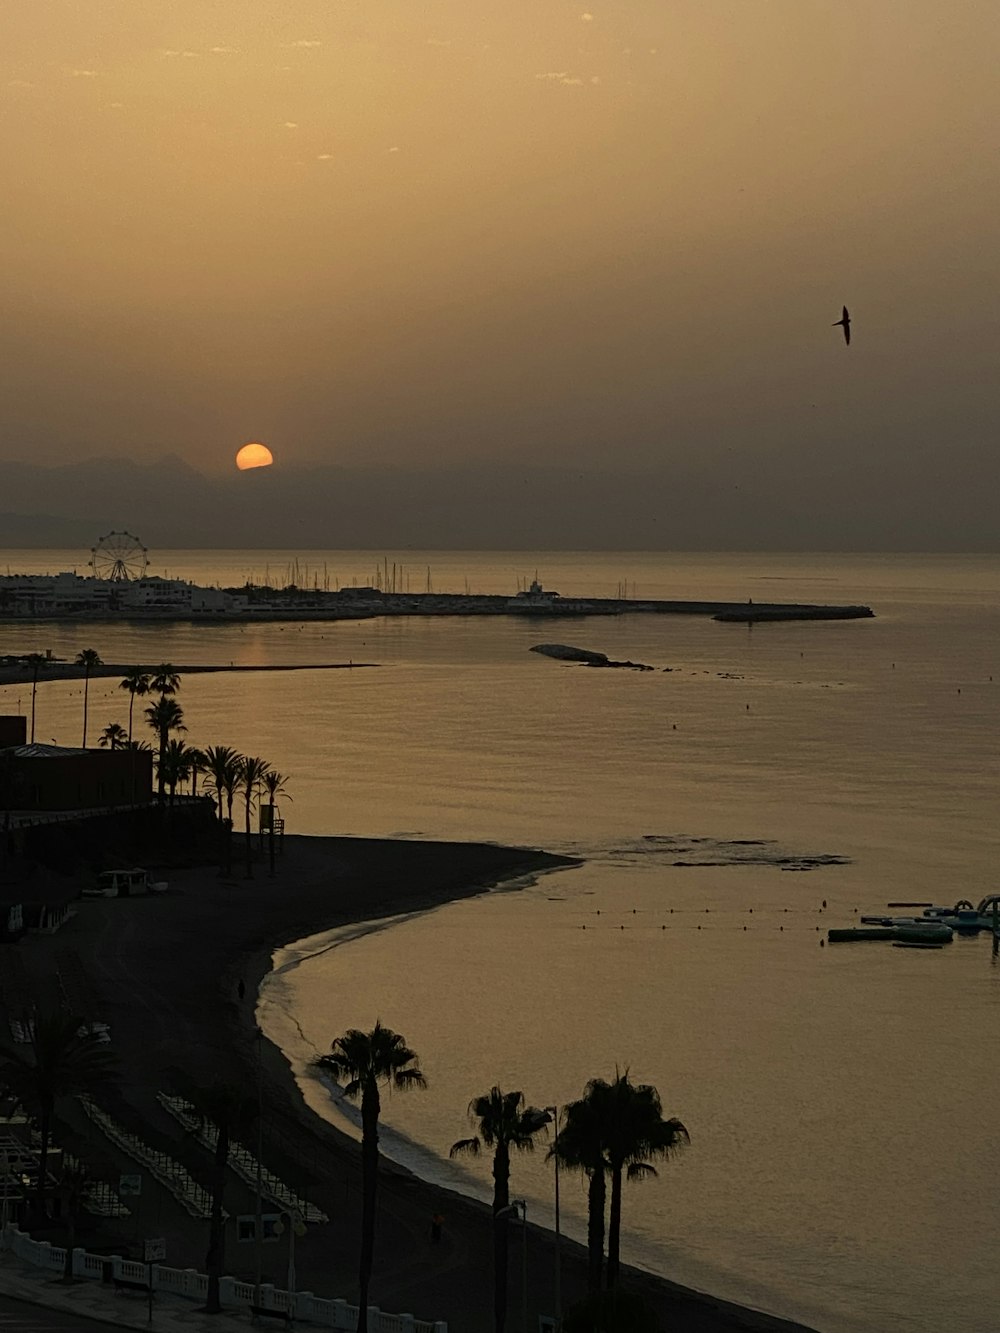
point(845, 324)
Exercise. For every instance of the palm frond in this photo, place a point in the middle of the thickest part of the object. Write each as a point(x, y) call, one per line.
point(465, 1147)
point(641, 1171)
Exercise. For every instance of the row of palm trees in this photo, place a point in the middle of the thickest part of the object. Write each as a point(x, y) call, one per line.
point(614, 1132)
point(88, 658)
point(228, 773)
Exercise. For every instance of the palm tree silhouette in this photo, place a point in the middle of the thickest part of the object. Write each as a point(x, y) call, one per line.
point(504, 1123)
point(76, 1185)
point(88, 658)
point(252, 772)
point(232, 1112)
point(366, 1059)
point(113, 737)
point(36, 661)
point(136, 681)
point(62, 1063)
point(634, 1131)
point(165, 716)
point(176, 761)
point(198, 763)
point(580, 1146)
point(222, 764)
point(165, 679)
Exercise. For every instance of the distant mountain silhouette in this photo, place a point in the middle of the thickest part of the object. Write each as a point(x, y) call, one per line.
point(745, 504)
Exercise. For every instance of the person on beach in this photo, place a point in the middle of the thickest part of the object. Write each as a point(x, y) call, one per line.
point(437, 1222)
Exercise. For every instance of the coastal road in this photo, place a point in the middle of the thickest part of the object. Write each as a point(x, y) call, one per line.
point(23, 1317)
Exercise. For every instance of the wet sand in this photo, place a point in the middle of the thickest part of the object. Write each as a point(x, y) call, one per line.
point(166, 970)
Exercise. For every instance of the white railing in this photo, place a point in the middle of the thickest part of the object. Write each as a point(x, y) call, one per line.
point(192, 1285)
point(241, 1159)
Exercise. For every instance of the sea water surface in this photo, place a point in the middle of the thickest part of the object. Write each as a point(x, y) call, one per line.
point(774, 781)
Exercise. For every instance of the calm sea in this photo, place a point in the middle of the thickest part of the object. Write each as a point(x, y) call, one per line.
point(841, 1100)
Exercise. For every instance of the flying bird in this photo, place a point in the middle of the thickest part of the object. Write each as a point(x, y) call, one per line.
point(845, 324)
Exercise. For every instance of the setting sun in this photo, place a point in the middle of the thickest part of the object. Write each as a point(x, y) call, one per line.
point(254, 455)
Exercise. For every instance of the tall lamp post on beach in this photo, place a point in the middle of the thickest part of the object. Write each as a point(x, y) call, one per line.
point(557, 1290)
point(292, 1220)
point(519, 1208)
point(258, 1213)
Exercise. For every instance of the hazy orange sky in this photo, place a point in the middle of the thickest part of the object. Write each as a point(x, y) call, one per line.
point(387, 231)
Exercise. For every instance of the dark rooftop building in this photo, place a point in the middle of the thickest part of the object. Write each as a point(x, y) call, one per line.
point(13, 729)
point(54, 777)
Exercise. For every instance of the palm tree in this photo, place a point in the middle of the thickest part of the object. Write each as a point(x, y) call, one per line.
point(165, 716)
point(165, 679)
point(76, 1186)
point(62, 1063)
point(274, 782)
point(199, 763)
point(635, 1131)
point(36, 661)
point(366, 1059)
point(113, 737)
point(221, 764)
point(252, 771)
point(580, 1146)
point(232, 1112)
point(504, 1123)
point(88, 658)
point(136, 681)
point(176, 762)
point(232, 781)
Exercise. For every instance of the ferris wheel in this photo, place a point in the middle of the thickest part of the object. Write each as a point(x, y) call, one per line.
point(119, 557)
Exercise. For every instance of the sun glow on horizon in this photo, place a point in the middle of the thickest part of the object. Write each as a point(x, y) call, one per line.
point(254, 455)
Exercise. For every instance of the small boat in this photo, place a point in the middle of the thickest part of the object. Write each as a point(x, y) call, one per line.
point(918, 944)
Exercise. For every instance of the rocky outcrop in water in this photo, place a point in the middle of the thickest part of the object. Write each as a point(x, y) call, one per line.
point(563, 652)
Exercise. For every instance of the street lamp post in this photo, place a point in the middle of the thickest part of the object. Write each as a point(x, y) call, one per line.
point(519, 1207)
point(293, 1221)
point(554, 1112)
point(522, 1204)
point(258, 1211)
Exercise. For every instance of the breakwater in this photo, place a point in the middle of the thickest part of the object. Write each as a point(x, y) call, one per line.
point(347, 604)
point(257, 605)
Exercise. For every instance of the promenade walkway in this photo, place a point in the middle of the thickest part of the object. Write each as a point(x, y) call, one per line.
point(93, 1301)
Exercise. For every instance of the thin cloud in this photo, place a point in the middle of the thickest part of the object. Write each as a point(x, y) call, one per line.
point(304, 44)
point(587, 18)
point(324, 157)
point(439, 41)
point(224, 50)
point(170, 53)
point(291, 124)
point(116, 106)
point(84, 73)
point(19, 83)
point(393, 149)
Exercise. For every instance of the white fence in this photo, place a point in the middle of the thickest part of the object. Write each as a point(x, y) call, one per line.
point(187, 1282)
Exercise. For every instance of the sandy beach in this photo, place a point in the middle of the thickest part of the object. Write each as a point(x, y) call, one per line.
point(166, 971)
